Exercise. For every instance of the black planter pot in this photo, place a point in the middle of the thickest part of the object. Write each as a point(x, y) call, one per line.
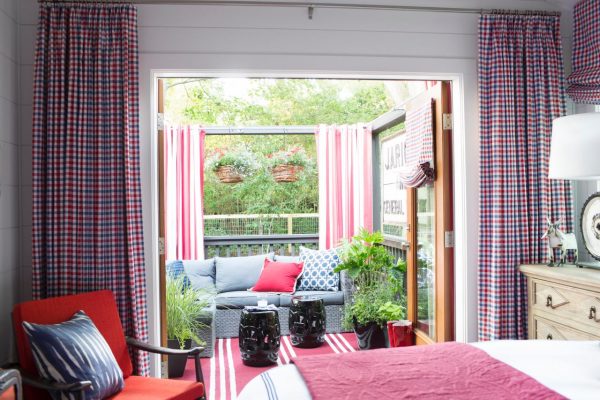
point(369, 336)
point(177, 363)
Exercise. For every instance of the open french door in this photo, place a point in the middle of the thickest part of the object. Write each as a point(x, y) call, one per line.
point(162, 265)
point(430, 270)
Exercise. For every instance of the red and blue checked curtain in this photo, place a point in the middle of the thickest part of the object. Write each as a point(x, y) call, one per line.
point(419, 158)
point(585, 80)
point(521, 90)
point(87, 209)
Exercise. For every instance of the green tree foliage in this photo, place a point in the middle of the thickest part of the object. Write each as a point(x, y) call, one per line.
point(264, 102)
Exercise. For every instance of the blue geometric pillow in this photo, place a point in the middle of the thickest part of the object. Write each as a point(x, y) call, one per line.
point(74, 351)
point(175, 269)
point(318, 270)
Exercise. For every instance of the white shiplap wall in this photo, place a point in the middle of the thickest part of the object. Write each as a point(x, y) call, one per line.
point(278, 41)
point(9, 175)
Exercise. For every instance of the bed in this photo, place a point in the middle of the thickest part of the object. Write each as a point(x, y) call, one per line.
point(517, 369)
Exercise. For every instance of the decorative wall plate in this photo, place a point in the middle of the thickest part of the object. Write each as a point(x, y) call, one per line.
point(590, 225)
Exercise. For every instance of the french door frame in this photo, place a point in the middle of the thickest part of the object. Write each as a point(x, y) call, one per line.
point(465, 289)
point(444, 248)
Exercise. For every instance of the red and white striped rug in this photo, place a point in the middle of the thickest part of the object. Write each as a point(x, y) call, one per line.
point(225, 375)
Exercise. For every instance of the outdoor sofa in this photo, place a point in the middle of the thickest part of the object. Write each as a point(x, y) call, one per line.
point(226, 281)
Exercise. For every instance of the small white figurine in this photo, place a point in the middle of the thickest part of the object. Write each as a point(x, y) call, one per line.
point(555, 240)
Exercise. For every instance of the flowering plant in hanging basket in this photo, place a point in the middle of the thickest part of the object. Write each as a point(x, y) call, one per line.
point(232, 166)
point(286, 165)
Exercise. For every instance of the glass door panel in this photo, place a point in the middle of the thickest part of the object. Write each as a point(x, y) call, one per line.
point(425, 248)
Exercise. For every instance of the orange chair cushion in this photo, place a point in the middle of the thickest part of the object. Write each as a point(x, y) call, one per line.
point(140, 387)
point(100, 306)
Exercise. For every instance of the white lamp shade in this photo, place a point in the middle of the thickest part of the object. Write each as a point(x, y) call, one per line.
point(575, 149)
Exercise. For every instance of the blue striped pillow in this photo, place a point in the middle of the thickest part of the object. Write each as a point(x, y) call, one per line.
point(74, 351)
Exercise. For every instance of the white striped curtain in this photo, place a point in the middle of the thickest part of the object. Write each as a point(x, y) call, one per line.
point(184, 180)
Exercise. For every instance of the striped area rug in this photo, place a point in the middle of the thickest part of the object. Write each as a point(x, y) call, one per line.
point(225, 375)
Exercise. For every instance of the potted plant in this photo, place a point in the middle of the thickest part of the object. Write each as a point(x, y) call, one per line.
point(185, 307)
point(286, 165)
point(232, 166)
point(377, 297)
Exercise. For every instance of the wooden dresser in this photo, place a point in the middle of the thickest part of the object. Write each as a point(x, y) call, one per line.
point(564, 302)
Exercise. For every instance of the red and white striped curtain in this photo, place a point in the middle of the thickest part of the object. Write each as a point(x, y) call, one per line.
point(344, 155)
point(521, 90)
point(183, 186)
point(584, 82)
point(419, 156)
point(87, 204)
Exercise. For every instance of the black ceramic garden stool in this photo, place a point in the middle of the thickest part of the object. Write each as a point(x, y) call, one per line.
point(307, 321)
point(259, 335)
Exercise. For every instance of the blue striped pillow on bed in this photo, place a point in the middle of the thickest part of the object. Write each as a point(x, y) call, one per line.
point(74, 351)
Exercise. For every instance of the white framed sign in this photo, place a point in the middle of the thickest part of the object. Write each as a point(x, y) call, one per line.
point(393, 193)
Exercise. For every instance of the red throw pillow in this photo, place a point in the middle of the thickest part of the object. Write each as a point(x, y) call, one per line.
point(278, 277)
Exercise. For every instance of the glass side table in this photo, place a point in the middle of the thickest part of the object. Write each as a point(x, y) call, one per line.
point(10, 385)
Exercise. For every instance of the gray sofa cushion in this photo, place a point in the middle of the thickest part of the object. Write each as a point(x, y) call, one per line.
point(201, 273)
point(293, 259)
point(238, 273)
point(329, 298)
point(242, 298)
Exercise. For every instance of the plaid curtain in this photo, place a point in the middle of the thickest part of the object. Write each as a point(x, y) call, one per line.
point(418, 165)
point(520, 92)
point(585, 80)
point(87, 211)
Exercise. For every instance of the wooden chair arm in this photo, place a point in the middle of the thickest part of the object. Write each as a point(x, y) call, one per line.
point(162, 350)
point(39, 383)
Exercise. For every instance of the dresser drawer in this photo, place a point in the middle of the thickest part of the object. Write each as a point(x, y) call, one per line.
point(567, 303)
point(549, 330)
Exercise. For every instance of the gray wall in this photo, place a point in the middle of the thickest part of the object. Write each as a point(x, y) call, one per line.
point(9, 175)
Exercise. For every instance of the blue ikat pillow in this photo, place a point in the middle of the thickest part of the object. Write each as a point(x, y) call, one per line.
point(74, 351)
point(318, 270)
point(175, 269)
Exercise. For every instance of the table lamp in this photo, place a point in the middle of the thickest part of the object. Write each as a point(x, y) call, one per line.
point(574, 155)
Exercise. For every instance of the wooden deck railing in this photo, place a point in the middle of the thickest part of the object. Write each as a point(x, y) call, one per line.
point(237, 246)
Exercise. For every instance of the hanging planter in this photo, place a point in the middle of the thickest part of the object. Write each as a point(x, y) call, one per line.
point(287, 165)
point(232, 166)
point(228, 174)
point(286, 172)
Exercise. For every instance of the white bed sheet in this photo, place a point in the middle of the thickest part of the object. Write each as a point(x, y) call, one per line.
point(570, 368)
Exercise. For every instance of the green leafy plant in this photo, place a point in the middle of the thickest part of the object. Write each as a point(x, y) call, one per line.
point(241, 160)
point(378, 280)
point(185, 307)
point(364, 258)
point(390, 311)
point(366, 305)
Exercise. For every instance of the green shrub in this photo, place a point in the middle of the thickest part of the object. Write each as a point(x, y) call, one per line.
point(185, 307)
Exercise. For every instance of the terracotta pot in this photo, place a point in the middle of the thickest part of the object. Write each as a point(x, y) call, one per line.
point(228, 174)
point(177, 363)
point(286, 172)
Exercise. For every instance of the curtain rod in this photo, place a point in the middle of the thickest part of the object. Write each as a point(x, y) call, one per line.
point(312, 6)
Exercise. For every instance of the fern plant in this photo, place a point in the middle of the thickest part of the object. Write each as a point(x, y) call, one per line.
point(185, 306)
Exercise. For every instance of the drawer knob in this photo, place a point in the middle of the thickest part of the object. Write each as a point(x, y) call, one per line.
point(549, 301)
point(593, 314)
point(549, 337)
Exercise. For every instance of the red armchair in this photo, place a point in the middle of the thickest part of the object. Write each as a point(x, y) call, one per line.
point(101, 307)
